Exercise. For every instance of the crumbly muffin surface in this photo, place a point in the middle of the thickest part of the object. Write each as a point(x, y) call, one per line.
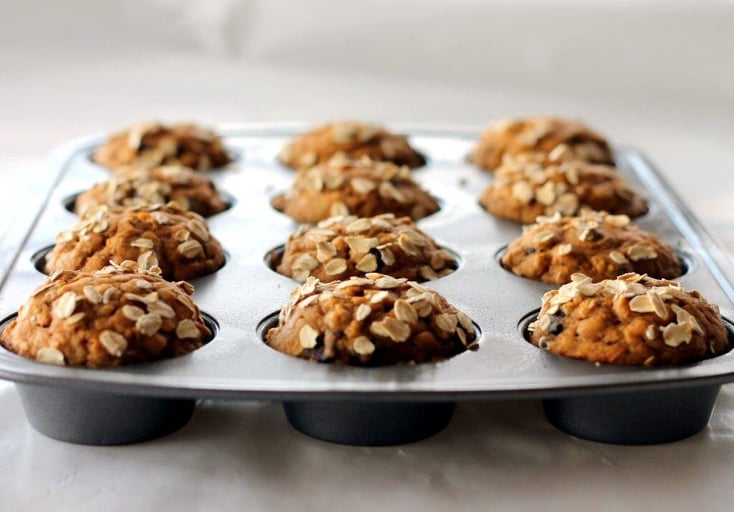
point(631, 320)
point(354, 187)
point(153, 144)
point(176, 241)
point(110, 317)
point(522, 190)
point(135, 187)
point(597, 244)
point(342, 247)
point(561, 139)
point(372, 320)
point(351, 139)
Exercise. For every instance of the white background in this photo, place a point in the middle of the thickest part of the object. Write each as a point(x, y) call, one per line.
point(656, 75)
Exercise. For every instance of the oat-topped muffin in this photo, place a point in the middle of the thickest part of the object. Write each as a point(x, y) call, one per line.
point(354, 187)
point(597, 244)
point(522, 190)
point(152, 144)
point(561, 139)
point(351, 139)
point(175, 240)
point(342, 247)
point(132, 188)
point(372, 320)
point(631, 320)
point(110, 317)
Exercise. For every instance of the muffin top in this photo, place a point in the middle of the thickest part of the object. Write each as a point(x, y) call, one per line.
point(176, 241)
point(597, 244)
point(562, 139)
point(372, 320)
point(631, 320)
point(135, 187)
point(522, 190)
point(342, 247)
point(152, 144)
point(351, 139)
point(354, 187)
point(111, 317)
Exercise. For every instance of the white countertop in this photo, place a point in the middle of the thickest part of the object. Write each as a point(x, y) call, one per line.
point(98, 67)
point(245, 456)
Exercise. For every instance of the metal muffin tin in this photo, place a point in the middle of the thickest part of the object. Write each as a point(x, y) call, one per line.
point(368, 406)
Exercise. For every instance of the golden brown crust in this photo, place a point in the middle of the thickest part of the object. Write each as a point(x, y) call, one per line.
point(354, 187)
point(152, 144)
point(343, 247)
point(522, 190)
point(372, 320)
point(596, 244)
point(110, 317)
point(353, 140)
point(132, 188)
point(562, 139)
point(631, 320)
point(175, 240)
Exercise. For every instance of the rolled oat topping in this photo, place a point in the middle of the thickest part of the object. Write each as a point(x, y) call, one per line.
point(136, 187)
point(555, 140)
point(349, 139)
point(152, 144)
point(370, 320)
point(631, 320)
point(525, 189)
point(110, 317)
point(339, 187)
point(341, 247)
point(164, 236)
point(597, 244)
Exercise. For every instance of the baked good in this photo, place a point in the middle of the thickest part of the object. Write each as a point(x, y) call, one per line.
point(110, 317)
point(597, 244)
point(523, 190)
point(166, 236)
point(351, 139)
point(132, 188)
point(559, 139)
point(151, 144)
point(342, 247)
point(631, 320)
point(354, 187)
point(371, 320)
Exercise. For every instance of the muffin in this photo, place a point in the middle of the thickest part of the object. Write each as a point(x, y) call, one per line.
point(168, 237)
point(560, 139)
point(132, 188)
point(153, 144)
point(351, 139)
point(354, 187)
point(343, 247)
point(111, 317)
point(597, 244)
point(631, 320)
point(370, 321)
point(523, 190)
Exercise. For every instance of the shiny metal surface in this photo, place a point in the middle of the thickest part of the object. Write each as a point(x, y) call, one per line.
point(236, 364)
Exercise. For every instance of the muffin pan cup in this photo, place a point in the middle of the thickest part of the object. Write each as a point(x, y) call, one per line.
point(362, 423)
point(99, 418)
point(635, 417)
point(367, 406)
